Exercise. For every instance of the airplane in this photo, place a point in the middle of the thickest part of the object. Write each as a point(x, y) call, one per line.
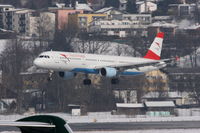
point(68, 64)
point(39, 124)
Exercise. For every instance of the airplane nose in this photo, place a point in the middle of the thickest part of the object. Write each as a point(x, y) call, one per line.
point(36, 62)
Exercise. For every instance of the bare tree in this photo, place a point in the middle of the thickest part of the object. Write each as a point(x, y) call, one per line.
point(85, 44)
point(14, 58)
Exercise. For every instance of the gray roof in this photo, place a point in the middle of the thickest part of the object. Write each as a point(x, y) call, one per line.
point(159, 104)
point(129, 105)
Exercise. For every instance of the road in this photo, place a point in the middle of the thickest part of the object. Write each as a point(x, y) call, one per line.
point(117, 126)
point(134, 125)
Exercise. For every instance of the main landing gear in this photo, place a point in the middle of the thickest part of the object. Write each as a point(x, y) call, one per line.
point(87, 81)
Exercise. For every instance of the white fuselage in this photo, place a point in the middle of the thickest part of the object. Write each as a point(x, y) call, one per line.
point(88, 63)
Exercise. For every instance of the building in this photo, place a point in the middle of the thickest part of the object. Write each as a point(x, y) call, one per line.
point(120, 28)
point(8, 19)
point(42, 24)
point(20, 20)
point(146, 6)
point(182, 10)
point(28, 22)
point(83, 21)
point(184, 79)
point(3, 107)
point(122, 5)
point(144, 19)
point(159, 108)
point(4, 8)
point(130, 108)
point(168, 28)
point(83, 6)
point(148, 108)
point(167, 19)
point(177, 97)
point(127, 95)
point(192, 31)
point(62, 15)
point(17, 20)
point(110, 11)
point(96, 4)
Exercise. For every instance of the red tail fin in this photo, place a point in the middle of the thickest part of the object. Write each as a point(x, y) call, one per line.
point(154, 51)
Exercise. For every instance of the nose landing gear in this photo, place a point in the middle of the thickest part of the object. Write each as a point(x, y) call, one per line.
point(50, 76)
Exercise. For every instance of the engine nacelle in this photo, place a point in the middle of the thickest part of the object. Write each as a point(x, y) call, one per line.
point(108, 72)
point(67, 75)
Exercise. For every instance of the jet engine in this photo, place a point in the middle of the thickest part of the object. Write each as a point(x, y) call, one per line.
point(67, 75)
point(108, 72)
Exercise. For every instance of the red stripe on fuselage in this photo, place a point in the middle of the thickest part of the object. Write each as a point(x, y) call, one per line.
point(152, 55)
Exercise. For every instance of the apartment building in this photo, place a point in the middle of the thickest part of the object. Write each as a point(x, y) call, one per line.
point(120, 28)
point(146, 6)
point(122, 5)
point(62, 16)
point(29, 22)
point(42, 24)
point(16, 20)
point(20, 21)
point(82, 21)
point(110, 11)
point(2, 9)
point(168, 28)
point(182, 10)
point(144, 19)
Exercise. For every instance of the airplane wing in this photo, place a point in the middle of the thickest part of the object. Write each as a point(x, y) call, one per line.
point(39, 124)
point(125, 66)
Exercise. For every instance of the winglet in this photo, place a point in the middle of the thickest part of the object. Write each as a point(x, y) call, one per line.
point(154, 51)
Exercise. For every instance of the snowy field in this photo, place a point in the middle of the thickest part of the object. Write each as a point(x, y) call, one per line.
point(137, 131)
point(104, 117)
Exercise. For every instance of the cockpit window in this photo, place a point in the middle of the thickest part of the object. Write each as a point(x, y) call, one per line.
point(44, 56)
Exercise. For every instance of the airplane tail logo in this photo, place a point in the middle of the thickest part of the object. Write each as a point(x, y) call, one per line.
point(154, 51)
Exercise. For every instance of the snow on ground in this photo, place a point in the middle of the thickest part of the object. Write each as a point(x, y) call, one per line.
point(136, 131)
point(103, 47)
point(2, 44)
point(101, 117)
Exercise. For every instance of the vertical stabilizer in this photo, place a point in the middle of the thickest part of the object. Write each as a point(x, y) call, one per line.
point(154, 51)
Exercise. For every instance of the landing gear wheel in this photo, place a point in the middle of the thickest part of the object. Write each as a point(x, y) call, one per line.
point(50, 76)
point(87, 82)
point(115, 81)
point(49, 79)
